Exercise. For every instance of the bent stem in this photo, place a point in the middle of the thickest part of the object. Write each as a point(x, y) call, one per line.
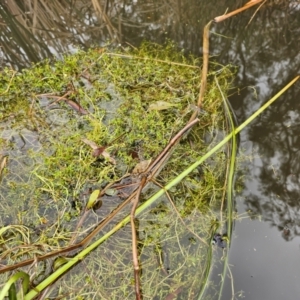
point(147, 175)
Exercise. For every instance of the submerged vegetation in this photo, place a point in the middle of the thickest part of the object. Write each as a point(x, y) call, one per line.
point(74, 126)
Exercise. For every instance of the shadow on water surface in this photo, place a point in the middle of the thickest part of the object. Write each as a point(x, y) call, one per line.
point(266, 50)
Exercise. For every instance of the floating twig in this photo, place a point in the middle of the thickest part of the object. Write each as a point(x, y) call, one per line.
point(237, 11)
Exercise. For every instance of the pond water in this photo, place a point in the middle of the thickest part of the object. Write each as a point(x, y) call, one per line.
point(265, 251)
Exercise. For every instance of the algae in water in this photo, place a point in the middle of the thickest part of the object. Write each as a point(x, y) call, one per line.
point(129, 102)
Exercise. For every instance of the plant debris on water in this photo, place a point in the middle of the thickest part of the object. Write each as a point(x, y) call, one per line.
point(73, 127)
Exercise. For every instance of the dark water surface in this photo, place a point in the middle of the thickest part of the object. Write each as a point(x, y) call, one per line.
point(265, 251)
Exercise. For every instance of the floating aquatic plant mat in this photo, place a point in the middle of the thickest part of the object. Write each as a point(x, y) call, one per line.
point(76, 134)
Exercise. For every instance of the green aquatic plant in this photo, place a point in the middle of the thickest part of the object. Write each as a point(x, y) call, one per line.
point(10, 288)
point(117, 102)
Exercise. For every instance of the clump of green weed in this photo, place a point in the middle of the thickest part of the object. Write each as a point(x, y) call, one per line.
point(132, 102)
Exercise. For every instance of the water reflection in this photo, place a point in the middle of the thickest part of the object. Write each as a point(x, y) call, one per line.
point(278, 174)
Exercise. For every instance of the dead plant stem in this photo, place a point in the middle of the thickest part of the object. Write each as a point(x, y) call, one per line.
point(151, 171)
point(237, 11)
point(134, 240)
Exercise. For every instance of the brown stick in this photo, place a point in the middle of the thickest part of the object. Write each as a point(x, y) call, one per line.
point(205, 51)
point(237, 11)
point(135, 259)
point(164, 153)
point(153, 168)
point(203, 84)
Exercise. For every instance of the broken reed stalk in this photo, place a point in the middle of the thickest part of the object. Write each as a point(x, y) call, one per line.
point(135, 258)
point(237, 11)
point(205, 50)
point(146, 177)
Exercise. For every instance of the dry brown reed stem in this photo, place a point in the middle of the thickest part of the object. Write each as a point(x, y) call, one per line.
point(205, 51)
point(63, 97)
point(150, 171)
point(135, 258)
point(203, 83)
point(76, 106)
point(237, 11)
point(164, 153)
point(146, 177)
